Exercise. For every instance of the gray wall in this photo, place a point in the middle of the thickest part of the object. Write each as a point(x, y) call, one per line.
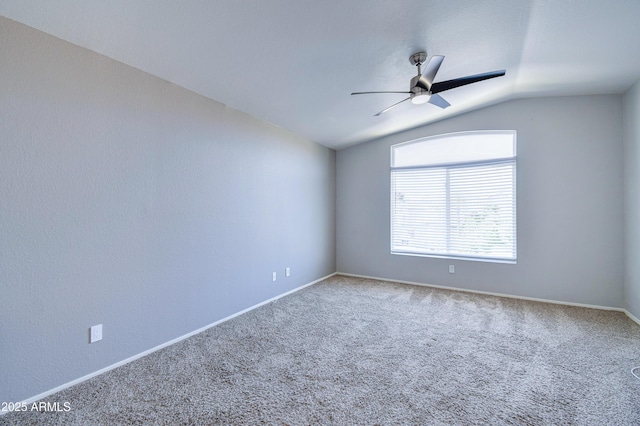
point(131, 202)
point(632, 199)
point(569, 198)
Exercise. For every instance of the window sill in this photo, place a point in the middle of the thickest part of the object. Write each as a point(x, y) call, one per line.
point(471, 258)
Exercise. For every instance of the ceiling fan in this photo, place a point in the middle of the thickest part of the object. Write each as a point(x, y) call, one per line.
point(422, 89)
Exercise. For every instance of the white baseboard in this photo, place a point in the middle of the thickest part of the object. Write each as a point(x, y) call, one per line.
point(630, 315)
point(35, 398)
point(488, 293)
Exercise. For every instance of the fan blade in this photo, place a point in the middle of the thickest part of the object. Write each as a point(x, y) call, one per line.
point(439, 101)
point(430, 71)
point(371, 93)
point(441, 86)
point(392, 106)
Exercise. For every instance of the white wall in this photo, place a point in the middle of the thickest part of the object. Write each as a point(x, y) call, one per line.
point(131, 202)
point(569, 200)
point(632, 199)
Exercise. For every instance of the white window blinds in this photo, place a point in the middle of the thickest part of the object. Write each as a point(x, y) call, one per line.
point(455, 199)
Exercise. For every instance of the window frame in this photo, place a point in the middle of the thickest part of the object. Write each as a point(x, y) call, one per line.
point(453, 165)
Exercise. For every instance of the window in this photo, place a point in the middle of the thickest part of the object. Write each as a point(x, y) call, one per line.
point(454, 196)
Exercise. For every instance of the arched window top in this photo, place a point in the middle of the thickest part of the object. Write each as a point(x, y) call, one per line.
point(455, 148)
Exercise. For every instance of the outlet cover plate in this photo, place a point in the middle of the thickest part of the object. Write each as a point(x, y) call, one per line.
point(95, 333)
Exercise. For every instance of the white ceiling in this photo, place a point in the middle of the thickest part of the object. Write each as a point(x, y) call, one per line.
point(294, 63)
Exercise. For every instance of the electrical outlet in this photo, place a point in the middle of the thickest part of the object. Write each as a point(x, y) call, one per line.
point(274, 276)
point(95, 333)
point(287, 272)
point(452, 269)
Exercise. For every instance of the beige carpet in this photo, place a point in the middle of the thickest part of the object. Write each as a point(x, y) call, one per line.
point(354, 351)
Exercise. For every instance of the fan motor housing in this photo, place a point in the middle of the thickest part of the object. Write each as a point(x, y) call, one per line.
point(413, 84)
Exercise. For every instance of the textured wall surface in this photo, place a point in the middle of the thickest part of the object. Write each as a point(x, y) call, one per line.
point(632, 199)
point(569, 200)
point(130, 202)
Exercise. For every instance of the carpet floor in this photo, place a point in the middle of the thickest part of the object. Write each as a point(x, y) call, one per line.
point(352, 351)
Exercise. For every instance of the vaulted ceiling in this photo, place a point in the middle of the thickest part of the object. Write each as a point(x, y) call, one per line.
point(294, 63)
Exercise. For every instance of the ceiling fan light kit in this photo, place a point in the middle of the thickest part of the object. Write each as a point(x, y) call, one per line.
point(422, 89)
point(420, 97)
